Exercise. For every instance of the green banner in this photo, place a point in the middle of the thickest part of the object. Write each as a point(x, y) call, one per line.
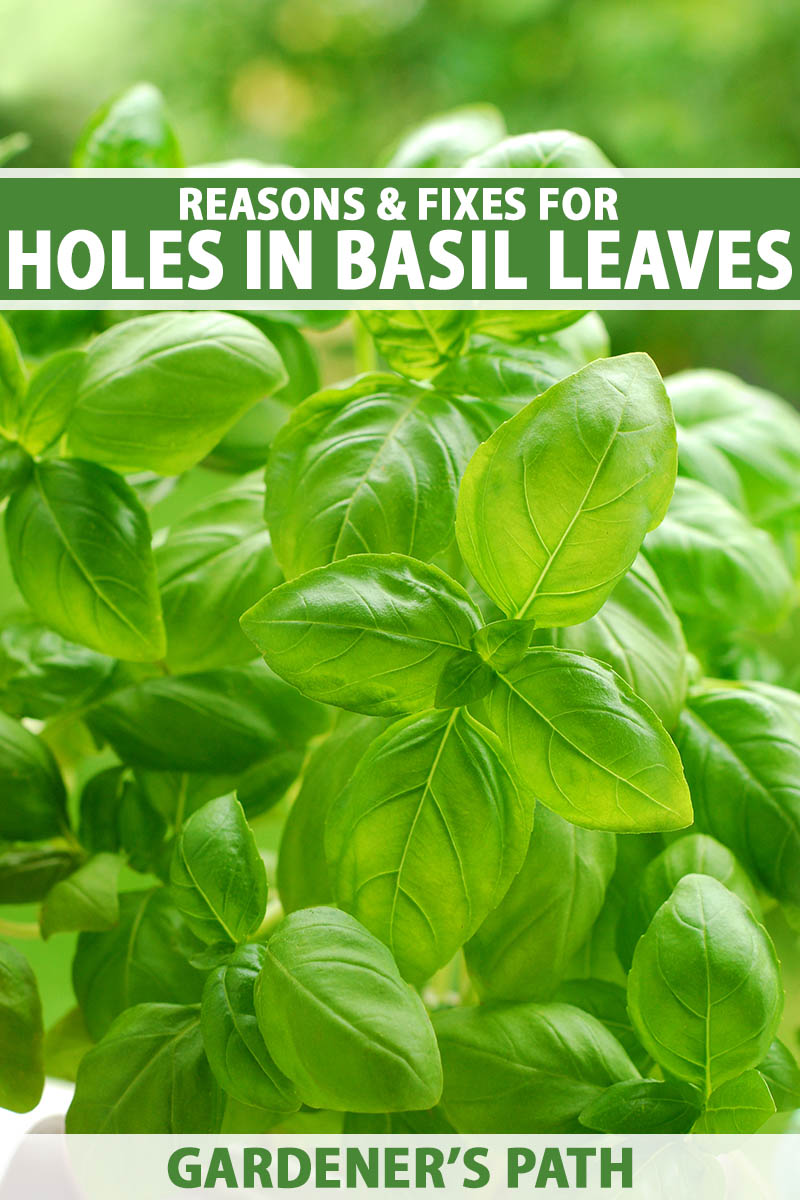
point(510, 239)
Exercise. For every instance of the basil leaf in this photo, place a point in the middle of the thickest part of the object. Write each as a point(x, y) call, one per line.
point(741, 1105)
point(146, 957)
point(548, 149)
point(695, 854)
point(65, 1044)
point(503, 644)
point(591, 462)
point(235, 1048)
point(42, 674)
point(213, 565)
point(339, 1021)
point(11, 145)
point(303, 880)
point(373, 465)
point(644, 1106)
point(418, 343)
point(704, 991)
point(49, 400)
point(34, 800)
point(741, 752)
point(637, 633)
point(40, 332)
point(218, 879)
point(525, 1068)
point(608, 1003)
point(523, 948)
point(87, 899)
point(159, 391)
point(449, 138)
point(426, 837)
point(149, 1074)
point(13, 380)
point(586, 746)
point(130, 131)
point(21, 1033)
point(718, 570)
point(15, 467)
point(246, 445)
point(503, 377)
point(79, 546)
point(780, 1070)
point(740, 440)
point(28, 870)
point(372, 633)
point(225, 720)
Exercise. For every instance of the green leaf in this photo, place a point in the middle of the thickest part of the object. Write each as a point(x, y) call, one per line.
point(589, 463)
point(21, 1033)
point(741, 753)
point(525, 1068)
point(159, 391)
point(425, 839)
point(65, 1044)
point(417, 344)
point(13, 380)
point(694, 854)
point(235, 1048)
point(34, 800)
point(149, 1074)
point(15, 467)
point(216, 722)
point(145, 958)
point(449, 138)
point(637, 633)
point(246, 445)
point(739, 440)
point(41, 332)
point(463, 680)
point(213, 565)
point(503, 644)
point(741, 1105)
point(373, 465)
point(43, 675)
point(99, 804)
point(28, 870)
point(503, 377)
point(719, 571)
point(644, 1106)
point(47, 404)
point(547, 149)
point(339, 1021)
point(704, 991)
point(218, 879)
point(141, 830)
point(303, 880)
point(523, 948)
point(372, 633)
point(780, 1070)
point(132, 130)
point(586, 746)
point(87, 899)
point(11, 146)
point(609, 1004)
point(79, 546)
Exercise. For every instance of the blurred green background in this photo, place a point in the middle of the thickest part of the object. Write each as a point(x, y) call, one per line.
point(334, 82)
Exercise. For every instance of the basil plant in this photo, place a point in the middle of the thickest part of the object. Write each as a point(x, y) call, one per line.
point(412, 753)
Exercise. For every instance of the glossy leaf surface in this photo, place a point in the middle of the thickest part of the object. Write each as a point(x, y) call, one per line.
point(591, 462)
point(427, 836)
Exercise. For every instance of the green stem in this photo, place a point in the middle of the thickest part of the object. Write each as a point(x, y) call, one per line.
point(27, 931)
point(366, 358)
